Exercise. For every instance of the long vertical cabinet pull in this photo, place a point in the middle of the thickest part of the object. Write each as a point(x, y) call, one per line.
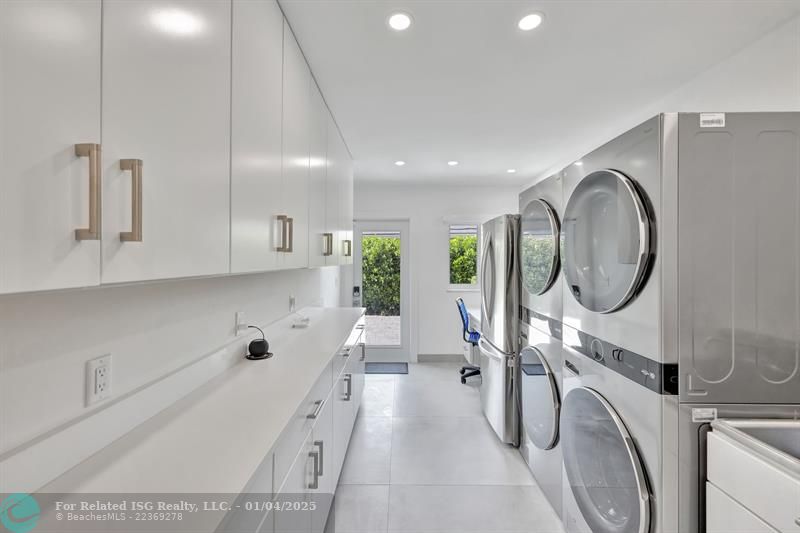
point(92, 151)
point(328, 242)
point(321, 445)
point(314, 485)
point(282, 225)
point(290, 231)
point(135, 168)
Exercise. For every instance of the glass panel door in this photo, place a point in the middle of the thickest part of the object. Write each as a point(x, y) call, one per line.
point(381, 280)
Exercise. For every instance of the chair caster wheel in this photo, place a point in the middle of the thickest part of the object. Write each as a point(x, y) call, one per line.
point(463, 381)
point(462, 371)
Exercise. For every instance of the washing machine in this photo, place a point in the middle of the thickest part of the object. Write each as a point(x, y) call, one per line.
point(540, 209)
point(618, 427)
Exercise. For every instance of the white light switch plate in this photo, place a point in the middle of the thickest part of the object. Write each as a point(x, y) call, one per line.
point(98, 379)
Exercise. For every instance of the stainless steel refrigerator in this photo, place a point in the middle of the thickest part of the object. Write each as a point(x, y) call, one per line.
point(500, 293)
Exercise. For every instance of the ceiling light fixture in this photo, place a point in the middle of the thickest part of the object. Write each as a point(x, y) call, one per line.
point(578, 163)
point(530, 22)
point(177, 22)
point(511, 170)
point(452, 163)
point(399, 21)
point(399, 163)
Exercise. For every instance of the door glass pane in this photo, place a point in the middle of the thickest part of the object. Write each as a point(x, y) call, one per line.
point(602, 466)
point(602, 237)
point(539, 247)
point(380, 272)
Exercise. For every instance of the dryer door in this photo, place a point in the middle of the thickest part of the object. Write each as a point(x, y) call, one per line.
point(539, 247)
point(607, 241)
point(603, 468)
point(541, 403)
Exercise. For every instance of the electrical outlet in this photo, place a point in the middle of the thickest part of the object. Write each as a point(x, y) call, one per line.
point(292, 303)
point(98, 379)
point(241, 322)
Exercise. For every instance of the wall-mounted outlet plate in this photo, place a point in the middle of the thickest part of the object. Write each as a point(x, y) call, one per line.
point(98, 379)
point(241, 322)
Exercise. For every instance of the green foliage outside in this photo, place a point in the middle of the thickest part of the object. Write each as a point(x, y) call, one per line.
point(381, 275)
point(463, 259)
point(537, 259)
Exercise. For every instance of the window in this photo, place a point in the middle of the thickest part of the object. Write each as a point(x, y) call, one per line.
point(463, 256)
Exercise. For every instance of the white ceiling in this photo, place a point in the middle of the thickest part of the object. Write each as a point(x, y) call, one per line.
point(465, 84)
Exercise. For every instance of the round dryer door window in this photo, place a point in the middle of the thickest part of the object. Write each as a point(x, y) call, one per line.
point(541, 403)
point(603, 468)
point(606, 248)
point(539, 247)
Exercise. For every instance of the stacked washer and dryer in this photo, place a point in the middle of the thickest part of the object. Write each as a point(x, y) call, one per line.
point(540, 334)
point(680, 252)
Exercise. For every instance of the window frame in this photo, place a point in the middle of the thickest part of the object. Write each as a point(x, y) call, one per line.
point(464, 287)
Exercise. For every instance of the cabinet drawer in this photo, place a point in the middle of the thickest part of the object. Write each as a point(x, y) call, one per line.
point(350, 348)
point(298, 428)
point(726, 515)
point(744, 476)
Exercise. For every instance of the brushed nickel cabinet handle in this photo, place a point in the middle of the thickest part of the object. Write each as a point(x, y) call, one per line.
point(348, 247)
point(92, 151)
point(348, 379)
point(282, 232)
point(321, 445)
point(314, 485)
point(328, 241)
point(290, 231)
point(135, 168)
point(315, 414)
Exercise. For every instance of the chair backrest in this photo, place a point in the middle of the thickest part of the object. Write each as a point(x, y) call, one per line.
point(468, 334)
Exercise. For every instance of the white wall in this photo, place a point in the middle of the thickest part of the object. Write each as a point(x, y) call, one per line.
point(434, 316)
point(150, 330)
point(764, 76)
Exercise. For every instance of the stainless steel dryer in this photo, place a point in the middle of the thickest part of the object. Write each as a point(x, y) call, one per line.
point(541, 299)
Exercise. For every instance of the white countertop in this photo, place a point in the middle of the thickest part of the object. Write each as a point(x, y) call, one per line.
point(213, 440)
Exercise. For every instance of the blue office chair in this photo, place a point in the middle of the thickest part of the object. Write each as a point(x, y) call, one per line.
point(470, 336)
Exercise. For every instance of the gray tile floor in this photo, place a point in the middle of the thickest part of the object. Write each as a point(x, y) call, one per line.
point(423, 459)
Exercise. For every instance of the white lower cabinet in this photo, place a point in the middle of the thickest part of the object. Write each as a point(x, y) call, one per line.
point(308, 477)
point(726, 515)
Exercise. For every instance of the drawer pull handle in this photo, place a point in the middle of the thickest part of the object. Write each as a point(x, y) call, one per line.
point(363, 351)
point(314, 485)
point(348, 379)
point(315, 414)
point(321, 445)
point(135, 167)
point(92, 151)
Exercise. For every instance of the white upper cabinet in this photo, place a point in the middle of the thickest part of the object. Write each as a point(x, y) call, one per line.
point(340, 196)
point(346, 212)
point(296, 145)
point(166, 139)
point(49, 102)
point(256, 134)
point(320, 240)
point(332, 193)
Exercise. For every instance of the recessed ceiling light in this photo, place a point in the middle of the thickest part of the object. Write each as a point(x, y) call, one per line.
point(530, 22)
point(452, 163)
point(399, 163)
point(578, 163)
point(177, 22)
point(399, 21)
point(511, 170)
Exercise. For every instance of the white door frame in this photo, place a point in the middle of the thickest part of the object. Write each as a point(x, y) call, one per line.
point(402, 353)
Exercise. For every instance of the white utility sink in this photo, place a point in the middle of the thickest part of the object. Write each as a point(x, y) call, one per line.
point(754, 475)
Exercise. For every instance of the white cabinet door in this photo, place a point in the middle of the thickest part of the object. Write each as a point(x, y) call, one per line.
point(49, 102)
point(257, 90)
point(296, 142)
point(166, 103)
point(343, 416)
point(333, 186)
point(346, 215)
point(319, 241)
point(293, 513)
point(322, 489)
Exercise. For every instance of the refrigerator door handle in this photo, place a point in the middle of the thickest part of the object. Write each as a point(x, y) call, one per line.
point(490, 351)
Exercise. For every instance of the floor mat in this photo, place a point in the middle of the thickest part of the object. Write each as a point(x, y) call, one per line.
point(387, 368)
